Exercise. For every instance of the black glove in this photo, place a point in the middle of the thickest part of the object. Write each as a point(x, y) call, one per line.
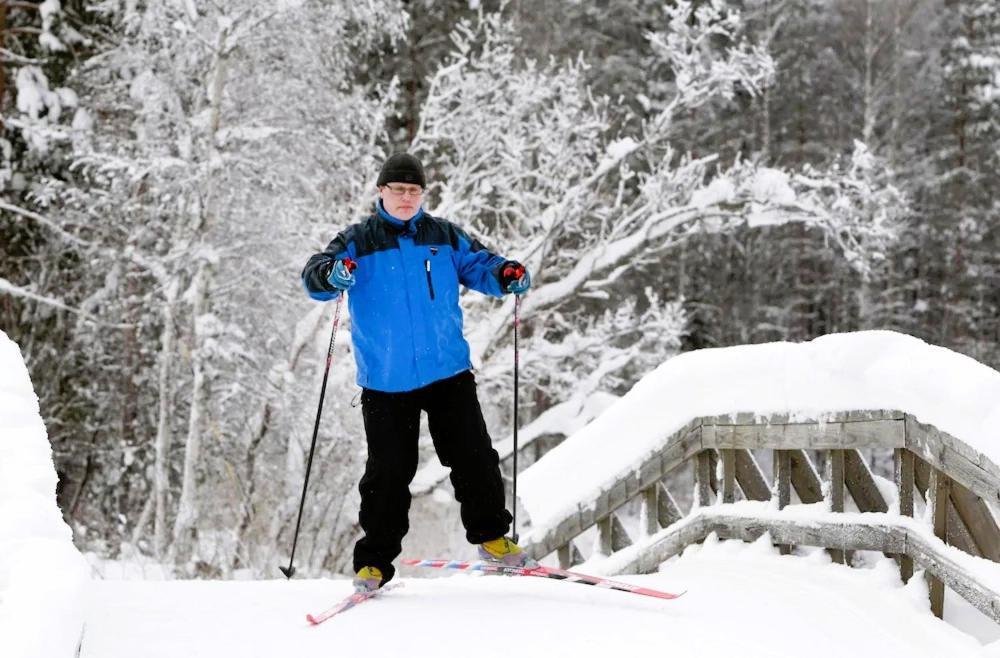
point(514, 277)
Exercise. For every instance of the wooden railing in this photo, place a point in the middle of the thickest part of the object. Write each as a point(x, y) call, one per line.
point(955, 480)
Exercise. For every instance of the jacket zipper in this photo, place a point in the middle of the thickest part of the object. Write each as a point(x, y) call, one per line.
point(430, 284)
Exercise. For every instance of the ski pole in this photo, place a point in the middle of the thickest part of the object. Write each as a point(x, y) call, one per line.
point(290, 570)
point(513, 502)
point(517, 273)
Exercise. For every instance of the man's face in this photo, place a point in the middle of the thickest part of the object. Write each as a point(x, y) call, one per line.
point(401, 200)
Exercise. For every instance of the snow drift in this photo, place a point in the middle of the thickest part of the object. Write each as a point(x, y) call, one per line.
point(42, 575)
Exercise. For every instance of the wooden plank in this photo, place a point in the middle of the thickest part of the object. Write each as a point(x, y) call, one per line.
point(903, 462)
point(648, 522)
point(782, 485)
point(805, 479)
point(782, 478)
point(817, 436)
point(563, 554)
point(958, 534)
point(569, 555)
point(604, 540)
point(750, 478)
point(955, 577)
point(611, 535)
point(861, 483)
point(703, 478)
point(728, 475)
point(942, 451)
point(619, 536)
point(784, 418)
point(667, 510)
point(939, 495)
point(684, 445)
point(977, 517)
point(618, 495)
point(853, 536)
point(837, 494)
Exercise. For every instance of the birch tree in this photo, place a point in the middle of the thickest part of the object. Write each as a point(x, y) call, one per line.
point(242, 151)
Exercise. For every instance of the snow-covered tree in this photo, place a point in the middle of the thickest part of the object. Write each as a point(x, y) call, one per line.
point(222, 154)
point(523, 154)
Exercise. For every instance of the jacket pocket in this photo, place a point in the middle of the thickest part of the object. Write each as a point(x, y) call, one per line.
point(430, 283)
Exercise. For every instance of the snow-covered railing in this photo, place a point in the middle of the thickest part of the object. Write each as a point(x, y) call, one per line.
point(955, 480)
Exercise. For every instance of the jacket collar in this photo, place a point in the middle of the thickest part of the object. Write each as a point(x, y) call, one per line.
point(409, 227)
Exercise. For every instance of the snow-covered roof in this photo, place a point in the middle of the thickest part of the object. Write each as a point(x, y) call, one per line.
point(838, 372)
point(42, 575)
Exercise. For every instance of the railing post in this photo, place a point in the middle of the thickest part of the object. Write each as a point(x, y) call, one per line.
point(650, 507)
point(563, 554)
point(704, 475)
point(904, 484)
point(837, 495)
point(728, 475)
point(783, 485)
point(568, 555)
point(667, 511)
point(604, 536)
point(938, 494)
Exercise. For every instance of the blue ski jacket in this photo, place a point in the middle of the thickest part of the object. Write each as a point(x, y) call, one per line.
point(406, 323)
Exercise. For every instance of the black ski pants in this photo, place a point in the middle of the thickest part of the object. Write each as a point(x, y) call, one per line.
point(457, 428)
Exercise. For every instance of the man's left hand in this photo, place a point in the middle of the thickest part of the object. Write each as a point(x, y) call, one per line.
point(514, 278)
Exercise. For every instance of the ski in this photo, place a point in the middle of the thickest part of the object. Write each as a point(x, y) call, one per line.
point(539, 571)
point(349, 602)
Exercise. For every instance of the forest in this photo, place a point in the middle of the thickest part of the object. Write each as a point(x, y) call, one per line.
point(676, 174)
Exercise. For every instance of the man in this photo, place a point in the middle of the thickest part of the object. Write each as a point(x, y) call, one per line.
point(412, 357)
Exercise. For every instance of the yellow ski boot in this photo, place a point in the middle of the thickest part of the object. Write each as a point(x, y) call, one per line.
point(368, 579)
point(504, 551)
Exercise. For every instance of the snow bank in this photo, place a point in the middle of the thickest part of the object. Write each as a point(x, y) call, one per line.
point(42, 575)
point(838, 372)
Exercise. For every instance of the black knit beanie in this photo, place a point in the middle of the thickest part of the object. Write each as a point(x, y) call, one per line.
point(402, 168)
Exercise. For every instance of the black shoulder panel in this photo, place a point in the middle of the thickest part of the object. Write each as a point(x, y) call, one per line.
point(371, 236)
point(435, 231)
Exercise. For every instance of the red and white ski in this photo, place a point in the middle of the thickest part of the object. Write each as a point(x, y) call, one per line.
point(541, 572)
point(349, 602)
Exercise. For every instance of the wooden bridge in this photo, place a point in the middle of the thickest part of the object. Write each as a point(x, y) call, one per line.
point(954, 480)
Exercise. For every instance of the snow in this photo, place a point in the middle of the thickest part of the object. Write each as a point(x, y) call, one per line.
point(741, 599)
point(32, 90)
point(562, 419)
point(720, 190)
point(837, 372)
point(42, 576)
point(986, 572)
point(616, 151)
point(735, 592)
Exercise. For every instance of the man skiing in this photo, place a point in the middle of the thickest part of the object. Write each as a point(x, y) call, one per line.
point(406, 326)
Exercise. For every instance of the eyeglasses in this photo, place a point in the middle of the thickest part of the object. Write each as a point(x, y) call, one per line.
point(408, 191)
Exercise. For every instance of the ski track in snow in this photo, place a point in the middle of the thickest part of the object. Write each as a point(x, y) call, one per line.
point(741, 600)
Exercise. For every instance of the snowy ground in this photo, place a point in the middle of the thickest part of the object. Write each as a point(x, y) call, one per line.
point(742, 600)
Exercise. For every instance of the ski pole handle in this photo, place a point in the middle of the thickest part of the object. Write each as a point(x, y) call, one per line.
point(514, 272)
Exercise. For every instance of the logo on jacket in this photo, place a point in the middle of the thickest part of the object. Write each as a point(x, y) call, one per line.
point(434, 251)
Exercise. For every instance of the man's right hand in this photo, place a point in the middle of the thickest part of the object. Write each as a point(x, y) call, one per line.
point(341, 275)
